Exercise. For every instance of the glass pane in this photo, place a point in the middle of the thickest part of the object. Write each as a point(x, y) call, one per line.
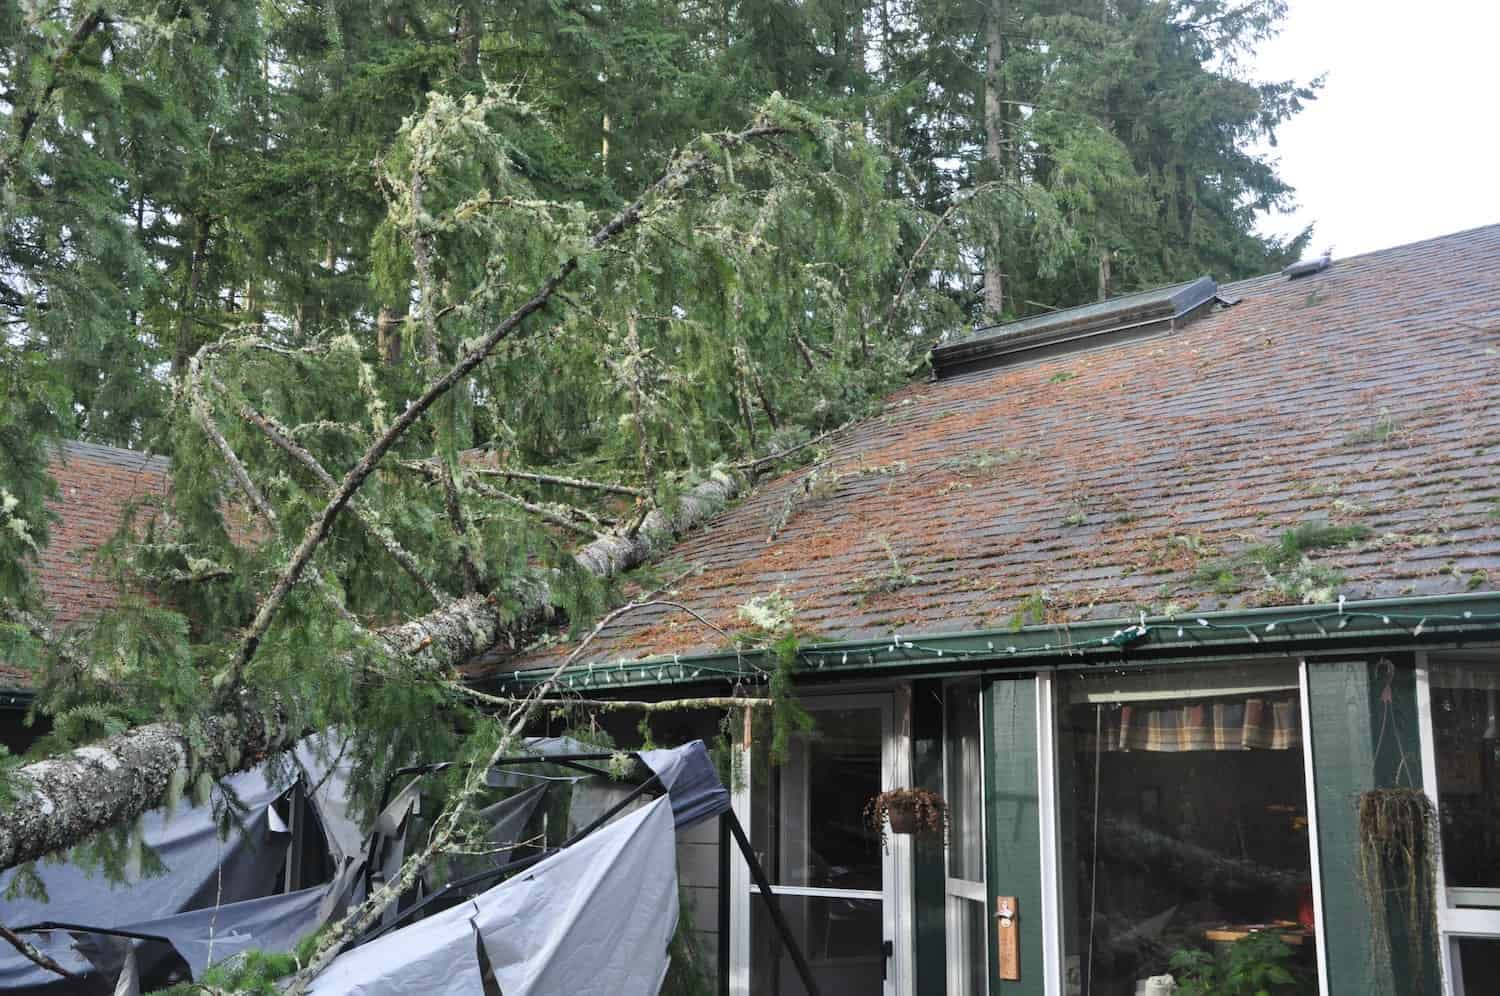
point(1183, 822)
point(963, 786)
point(967, 957)
point(1478, 963)
point(808, 821)
point(1466, 735)
point(840, 938)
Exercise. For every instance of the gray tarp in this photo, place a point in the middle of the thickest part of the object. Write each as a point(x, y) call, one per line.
point(326, 767)
point(434, 956)
point(593, 920)
point(687, 773)
point(209, 936)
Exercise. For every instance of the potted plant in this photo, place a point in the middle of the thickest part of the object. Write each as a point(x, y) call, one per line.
point(908, 811)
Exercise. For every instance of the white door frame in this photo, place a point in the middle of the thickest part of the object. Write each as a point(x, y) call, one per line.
point(1454, 922)
point(895, 894)
point(1048, 800)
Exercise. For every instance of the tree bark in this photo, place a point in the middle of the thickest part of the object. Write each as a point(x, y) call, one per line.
point(184, 350)
point(995, 142)
point(388, 333)
point(63, 801)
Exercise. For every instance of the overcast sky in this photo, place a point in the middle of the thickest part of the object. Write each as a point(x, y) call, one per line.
point(1404, 142)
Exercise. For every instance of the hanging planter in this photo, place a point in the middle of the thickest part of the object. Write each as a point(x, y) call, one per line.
point(914, 811)
point(1398, 854)
point(1397, 869)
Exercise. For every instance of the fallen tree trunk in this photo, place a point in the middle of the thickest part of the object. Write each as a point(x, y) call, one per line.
point(63, 801)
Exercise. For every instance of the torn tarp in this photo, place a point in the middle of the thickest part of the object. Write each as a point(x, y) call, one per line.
point(197, 871)
point(199, 868)
point(326, 769)
point(434, 956)
point(687, 773)
point(592, 920)
point(207, 936)
point(691, 779)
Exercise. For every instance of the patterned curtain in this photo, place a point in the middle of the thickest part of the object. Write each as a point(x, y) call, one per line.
point(1262, 722)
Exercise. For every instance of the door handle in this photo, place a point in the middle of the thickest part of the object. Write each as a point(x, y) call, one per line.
point(887, 949)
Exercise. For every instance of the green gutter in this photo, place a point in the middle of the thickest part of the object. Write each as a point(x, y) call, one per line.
point(1377, 624)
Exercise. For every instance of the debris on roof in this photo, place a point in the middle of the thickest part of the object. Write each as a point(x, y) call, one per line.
point(1307, 267)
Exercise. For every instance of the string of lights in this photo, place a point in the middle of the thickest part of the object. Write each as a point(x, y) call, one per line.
point(749, 669)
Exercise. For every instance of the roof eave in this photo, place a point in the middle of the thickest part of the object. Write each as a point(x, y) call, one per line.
point(1371, 625)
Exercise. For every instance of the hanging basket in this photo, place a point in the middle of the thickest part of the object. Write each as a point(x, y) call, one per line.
point(915, 811)
point(902, 817)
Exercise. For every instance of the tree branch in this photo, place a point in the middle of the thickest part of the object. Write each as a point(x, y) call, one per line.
point(65, 800)
point(32, 954)
point(282, 438)
point(621, 705)
point(911, 265)
point(360, 919)
point(540, 511)
point(676, 176)
point(30, 113)
point(579, 483)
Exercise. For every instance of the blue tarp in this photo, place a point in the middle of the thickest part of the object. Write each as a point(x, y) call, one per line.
point(691, 780)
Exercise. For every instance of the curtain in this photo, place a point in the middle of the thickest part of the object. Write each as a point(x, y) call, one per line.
point(1259, 722)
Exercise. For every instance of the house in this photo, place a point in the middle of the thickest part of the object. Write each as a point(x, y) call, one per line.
point(96, 486)
point(1156, 593)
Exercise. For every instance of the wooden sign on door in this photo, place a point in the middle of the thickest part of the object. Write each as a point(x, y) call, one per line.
point(1008, 929)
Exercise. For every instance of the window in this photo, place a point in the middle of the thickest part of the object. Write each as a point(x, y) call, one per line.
point(1183, 821)
point(963, 789)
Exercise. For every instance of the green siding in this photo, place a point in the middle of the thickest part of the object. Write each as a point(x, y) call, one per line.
point(1345, 723)
point(1012, 828)
point(928, 866)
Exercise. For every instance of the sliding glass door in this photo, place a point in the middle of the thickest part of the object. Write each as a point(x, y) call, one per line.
point(829, 870)
point(1459, 701)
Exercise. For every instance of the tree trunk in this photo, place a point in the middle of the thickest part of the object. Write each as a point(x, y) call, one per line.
point(1103, 274)
point(470, 28)
point(388, 334)
point(184, 345)
point(995, 145)
point(63, 801)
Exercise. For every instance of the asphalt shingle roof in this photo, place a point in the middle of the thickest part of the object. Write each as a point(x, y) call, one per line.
point(1096, 484)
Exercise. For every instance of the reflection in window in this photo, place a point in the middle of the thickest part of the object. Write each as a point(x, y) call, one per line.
point(963, 782)
point(1183, 821)
point(963, 789)
point(1466, 730)
point(807, 824)
point(840, 938)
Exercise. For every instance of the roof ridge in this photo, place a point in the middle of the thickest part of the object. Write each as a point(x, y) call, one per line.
point(1383, 251)
point(116, 455)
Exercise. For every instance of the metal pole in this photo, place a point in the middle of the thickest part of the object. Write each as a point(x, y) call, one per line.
point(772, 906)
point(724, 907)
